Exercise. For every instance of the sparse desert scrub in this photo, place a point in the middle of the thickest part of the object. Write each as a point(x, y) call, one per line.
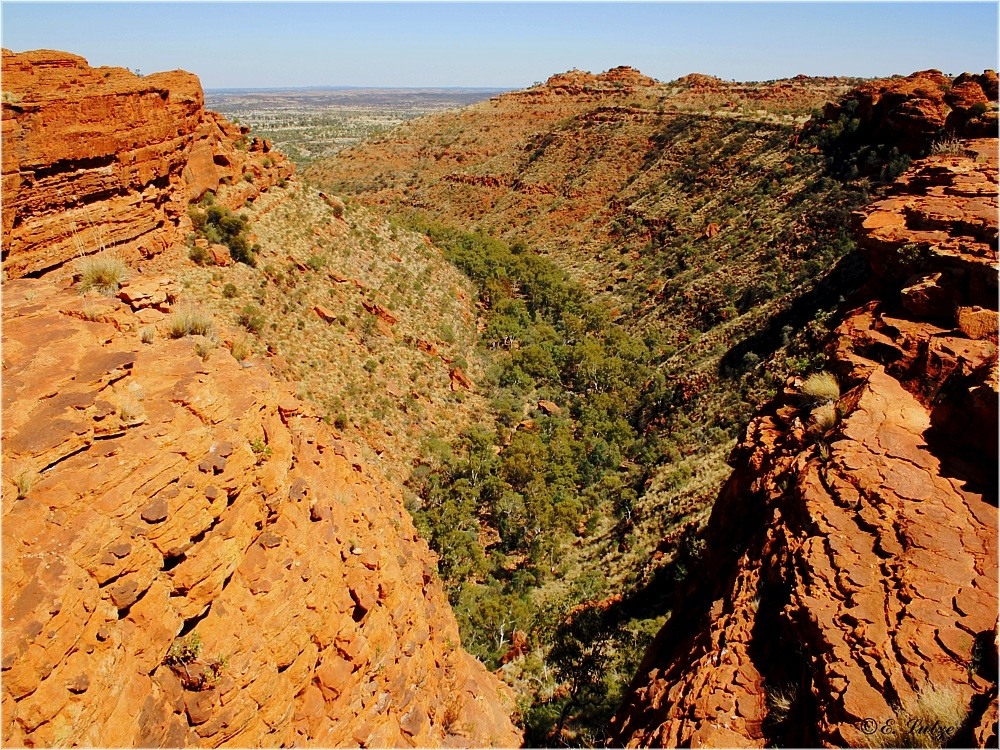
point(103, 272)
point(190, 321)
point(147, 334)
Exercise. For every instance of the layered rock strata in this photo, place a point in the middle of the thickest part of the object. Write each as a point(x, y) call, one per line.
point(190, 556)
point(854, 549)
point(101, 158)
point(158, 492)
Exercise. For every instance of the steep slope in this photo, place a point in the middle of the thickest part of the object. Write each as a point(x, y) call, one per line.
point(372, 325)
point(571, 165)
point(99, 157)
point(190, 555)
point(709, 234)
point(849, 589)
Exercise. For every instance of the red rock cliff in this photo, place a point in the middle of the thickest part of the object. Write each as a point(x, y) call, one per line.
point(190, 556)
point(100, 157)
point(852, 559)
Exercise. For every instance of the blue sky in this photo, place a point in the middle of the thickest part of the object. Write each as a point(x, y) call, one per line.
point(507, 45)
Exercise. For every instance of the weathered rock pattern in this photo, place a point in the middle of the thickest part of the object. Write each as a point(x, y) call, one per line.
point(854, 561)
point(149, 493)
point(190, 555)
point(101, 158)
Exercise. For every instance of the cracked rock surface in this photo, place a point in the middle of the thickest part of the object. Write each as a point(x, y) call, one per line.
point(855, 565)
point(149, 493)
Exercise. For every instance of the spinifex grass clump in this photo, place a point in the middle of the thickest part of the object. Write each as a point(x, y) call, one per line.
point(190, 321)
point(821, 387)
point(103, 272)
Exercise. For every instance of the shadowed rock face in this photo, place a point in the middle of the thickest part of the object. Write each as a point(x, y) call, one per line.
point(102, 158)
point(856, 564)
point(153, 492)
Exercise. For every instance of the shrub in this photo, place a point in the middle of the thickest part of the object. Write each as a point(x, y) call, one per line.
point(147, 334)
point(252, 318)
point(821, 387)
point(103, 272)
point(200, 256)
point(190, 321)
point(218, 224)
point(229, 291)
point(948, 147)
point(978, 109)
point(183, 651)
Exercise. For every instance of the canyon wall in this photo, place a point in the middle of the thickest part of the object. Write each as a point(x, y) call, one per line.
point(101, 158)
point(191, 556)
point(852, 556)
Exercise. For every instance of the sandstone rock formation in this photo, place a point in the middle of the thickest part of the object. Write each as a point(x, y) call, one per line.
point(190, 555)
point(149, 493)
point(918, 108)
point(101, 158)
point(853, 556)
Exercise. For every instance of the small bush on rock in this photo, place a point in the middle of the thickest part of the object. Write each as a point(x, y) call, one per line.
point(190, 321)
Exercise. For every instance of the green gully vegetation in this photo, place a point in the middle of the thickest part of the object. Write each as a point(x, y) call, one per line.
point(539, 476)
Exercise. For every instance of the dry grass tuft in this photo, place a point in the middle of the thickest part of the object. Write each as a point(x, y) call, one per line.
point(948, 147)
point(190, 321)
point(25, 480)
point(780, 702)
point(147, 334)
point(240, 349)
point(821, 387)
point(103, 272)
point(931, 719)
point(130, 410)
point(203, 346)
point(823, 418)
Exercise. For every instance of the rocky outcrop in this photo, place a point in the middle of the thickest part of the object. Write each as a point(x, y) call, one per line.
point(191, 557)
point(921, 107)
point(158, 492)
point(102, 158)
point(852, 558)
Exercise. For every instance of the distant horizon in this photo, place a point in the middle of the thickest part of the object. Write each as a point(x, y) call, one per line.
point(506, 46)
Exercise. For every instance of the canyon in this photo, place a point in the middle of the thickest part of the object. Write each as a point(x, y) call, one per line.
point(211, 509)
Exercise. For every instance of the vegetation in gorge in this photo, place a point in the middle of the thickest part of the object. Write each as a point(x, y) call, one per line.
point(643, 397)
point(564, 449)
